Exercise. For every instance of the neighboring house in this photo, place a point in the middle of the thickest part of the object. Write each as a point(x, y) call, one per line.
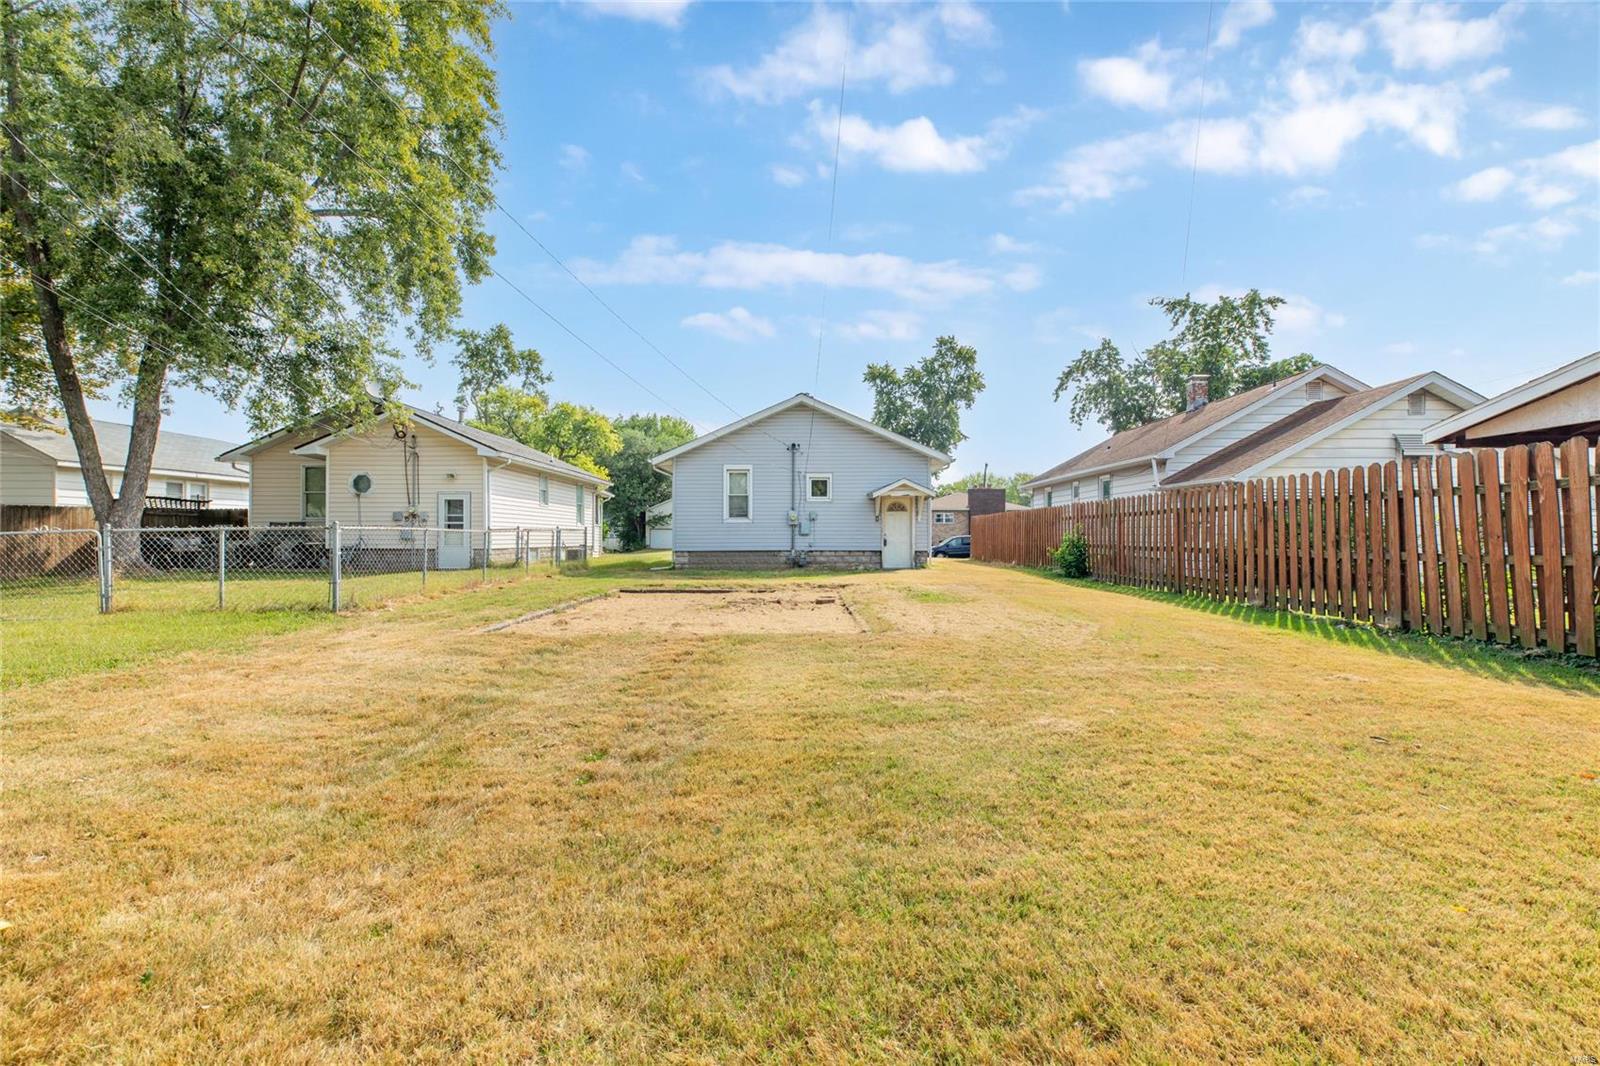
point(1320, 419)
point(433, 472)
point(1553, 408)
point(953, 512)
point(801, 483)
point(658, 525)
point(40, 468)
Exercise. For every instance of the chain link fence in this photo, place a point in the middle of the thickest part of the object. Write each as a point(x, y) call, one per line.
point(48, 572)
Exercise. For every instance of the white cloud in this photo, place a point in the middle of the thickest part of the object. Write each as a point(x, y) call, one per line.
point(1304, 196)
point(1487, 184)
point(1557, 117)
point(897, 50)
point(916, 145)
point(631, 172)
point(661, 12)
point(1003, 244)
point(734, 324)
point(1582, 277)
point(1400, 348)
point(1547, 233)
point(1023, 278)
point(788, 177)
point(1543, 182)
point(1142, 80)
point(1317, 39)
point(880, 326)
point(574, 157)
point(1101, 170)
point(1432, 36)
point(654, 260)
point(1240, 17)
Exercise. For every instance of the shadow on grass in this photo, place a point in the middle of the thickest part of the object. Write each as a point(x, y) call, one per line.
point(1568, 672)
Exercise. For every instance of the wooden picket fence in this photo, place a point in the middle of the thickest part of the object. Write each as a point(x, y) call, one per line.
point(1496, 546)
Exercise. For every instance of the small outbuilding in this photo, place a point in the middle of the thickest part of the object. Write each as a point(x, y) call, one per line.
point(801, 483)
point(1553, 408)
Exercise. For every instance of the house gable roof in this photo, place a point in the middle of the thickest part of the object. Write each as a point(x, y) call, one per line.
point(1161, 438)
point(1245, 457)
point(486, 443)
point(1528, 392)
point(179, 453)
point(664, 461)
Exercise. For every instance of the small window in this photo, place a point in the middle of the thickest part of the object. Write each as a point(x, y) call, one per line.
point(199, 490)
point(1314, 391)
point(736, 494)
point(1049, 498)
point(581, 495)
point(313, 492)
point(1077, 489)
point(174, 490)
point(1417, 403)
point(944, 518)
point(819, 487)
point(1105, 488)
point(544, 490)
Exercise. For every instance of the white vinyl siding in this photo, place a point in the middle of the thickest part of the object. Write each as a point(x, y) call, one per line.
point(27, 477)
point(1366, 441)
point(859, 462)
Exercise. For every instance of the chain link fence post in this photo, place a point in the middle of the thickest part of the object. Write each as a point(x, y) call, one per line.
point(555, 557)
point(104, 553)
point(483, 564)
point(333, 567)
point(222, 567)
point(424, 558)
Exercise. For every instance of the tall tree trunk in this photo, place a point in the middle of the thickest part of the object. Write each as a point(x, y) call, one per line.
point(52, 321)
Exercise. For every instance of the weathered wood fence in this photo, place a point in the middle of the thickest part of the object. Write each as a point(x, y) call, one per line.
point(1497, 546)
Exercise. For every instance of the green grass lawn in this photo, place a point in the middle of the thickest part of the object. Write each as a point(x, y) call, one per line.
point(1011, 819)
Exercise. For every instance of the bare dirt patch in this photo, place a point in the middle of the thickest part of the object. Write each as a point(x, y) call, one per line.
point(703, 612)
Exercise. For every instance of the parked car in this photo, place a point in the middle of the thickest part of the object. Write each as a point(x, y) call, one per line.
point(954, 547)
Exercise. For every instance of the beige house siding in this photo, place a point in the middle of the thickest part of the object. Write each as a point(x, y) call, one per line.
point(72, 492)
point(1259, 418)
point(1369, 439)
point(1125, 481)
point(26, 477)
point(1572, 405)
point(445, 465)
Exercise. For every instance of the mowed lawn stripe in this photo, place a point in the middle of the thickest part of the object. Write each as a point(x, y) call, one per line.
point(1014, 819)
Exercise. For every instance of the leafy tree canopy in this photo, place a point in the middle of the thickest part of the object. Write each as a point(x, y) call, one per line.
point(489, 358)
point(572, 433)
point(1012, 484)
point(635, 484)
point(925, 401)
point(248, 200)
point(1226, 339)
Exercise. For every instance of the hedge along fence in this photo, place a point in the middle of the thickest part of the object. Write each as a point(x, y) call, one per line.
point(1499, 547)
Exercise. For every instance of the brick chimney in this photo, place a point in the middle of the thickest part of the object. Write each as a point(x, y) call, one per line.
point(1199, 391)
point(985, 501)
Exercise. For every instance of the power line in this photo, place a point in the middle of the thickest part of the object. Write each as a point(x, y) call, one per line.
point(515, 221)
point(1194, 173)
point(833, 204)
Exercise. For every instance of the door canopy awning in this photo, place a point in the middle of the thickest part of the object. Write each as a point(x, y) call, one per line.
point(903, 487)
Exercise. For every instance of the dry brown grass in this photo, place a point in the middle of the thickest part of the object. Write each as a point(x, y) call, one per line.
point(1012, 821)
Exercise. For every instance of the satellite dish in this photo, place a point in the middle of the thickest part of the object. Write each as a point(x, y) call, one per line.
point(361, 484)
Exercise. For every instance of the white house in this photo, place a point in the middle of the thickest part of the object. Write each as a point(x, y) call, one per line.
point(801, 483)
point(658, 525)
point(428, 471)
point(1320, 419)
point(1553, 408)
point(40, 468)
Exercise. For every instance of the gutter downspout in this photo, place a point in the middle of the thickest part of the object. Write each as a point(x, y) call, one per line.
point(794, 449)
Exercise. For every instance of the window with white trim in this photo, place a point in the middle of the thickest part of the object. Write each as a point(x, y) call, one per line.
point(736, 494)
point(199, 490)
point(313, 492)
point(944, 518)
point(581, 495)
point(1105, 488)
point(1049, 498)
point(1417, 403)
point(1077, 489)
point(819, 487)
point(174, 490)
point(544, 489)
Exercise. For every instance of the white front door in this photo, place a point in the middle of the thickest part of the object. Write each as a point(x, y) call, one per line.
point(897, 526)
point(455, 546)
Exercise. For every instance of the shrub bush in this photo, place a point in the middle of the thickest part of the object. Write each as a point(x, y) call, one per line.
point(1072, 558)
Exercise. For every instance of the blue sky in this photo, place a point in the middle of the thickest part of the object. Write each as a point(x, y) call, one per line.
point(1422, 183)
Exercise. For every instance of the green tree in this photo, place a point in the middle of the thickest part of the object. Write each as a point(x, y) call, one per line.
point(925, 401)
point(246, 200)
point(1226, 339)
point(572, 433)
point(635, 484)
point(1012, 483)
point(489, 358)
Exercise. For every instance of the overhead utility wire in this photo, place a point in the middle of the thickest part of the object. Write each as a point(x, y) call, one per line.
point(833, 205)
point(1194, 173)
point(515, 221)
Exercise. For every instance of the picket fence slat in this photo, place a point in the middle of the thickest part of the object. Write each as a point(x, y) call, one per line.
point(1497, 547)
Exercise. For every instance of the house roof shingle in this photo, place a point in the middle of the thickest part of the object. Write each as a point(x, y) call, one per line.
point(176, 452)
point(1143, 443)
point(1285, 433)
point(957, 501)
